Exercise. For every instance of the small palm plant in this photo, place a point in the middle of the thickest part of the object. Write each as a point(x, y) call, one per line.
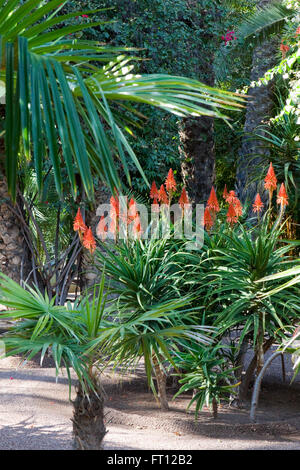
point(206, 374)
point(68, 331)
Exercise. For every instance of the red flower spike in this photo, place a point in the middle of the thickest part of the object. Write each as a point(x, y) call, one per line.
point(282, 197)
point(114, 201)
point(113, 226)
point(102, 228)
point(270, 179)
point(208, 221)
point(183, 199)
point(162, 195)
point(170, 182)
point(137, 229)
point(153, 191)
point(231, 215)
point(231, 197)
point(238, 207)
point(89, 241)
point(258, 204)
point(79, 225)
point(132, 210)
point(225, 192)
point(212, 202)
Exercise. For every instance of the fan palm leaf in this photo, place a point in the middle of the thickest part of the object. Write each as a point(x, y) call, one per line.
point(266, 21)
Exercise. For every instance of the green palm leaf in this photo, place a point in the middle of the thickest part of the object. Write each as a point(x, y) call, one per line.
point(266, 21)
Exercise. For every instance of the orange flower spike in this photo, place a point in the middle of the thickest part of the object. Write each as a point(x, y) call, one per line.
point(102, 228)
point(114, 201)
point(137, 229)
point(231, 197)
point(132, 210)
point(89, 241)
point(153, 191)
point(212, 202)
point(79, 225)
point(258, 204)
point(270, 179)
point(225, 192)
point(162, 195)
point(297, 31)
point(238, 207)
point(282, 197)
point(170, 182)
point(231, 215)
point(208, 221)
point(113, 226)
point(155, 205)
point(183, 199)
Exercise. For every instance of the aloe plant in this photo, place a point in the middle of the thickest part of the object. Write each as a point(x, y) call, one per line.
point(236, 297)
point(153, 314)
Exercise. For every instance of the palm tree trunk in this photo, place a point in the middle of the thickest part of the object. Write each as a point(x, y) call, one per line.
point(215, 408)
point(197, 148)
point(259, 108)
point(88, 419)
point(198, 157)
point(244, 387)
point(14, 253)
point(161, 383)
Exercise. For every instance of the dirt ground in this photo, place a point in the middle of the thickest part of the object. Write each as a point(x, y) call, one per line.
point(35, 414)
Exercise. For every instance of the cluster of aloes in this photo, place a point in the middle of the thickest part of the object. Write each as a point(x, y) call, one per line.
point(271, 186)
point(235, 209)
point(130, 217)
point(163, 197)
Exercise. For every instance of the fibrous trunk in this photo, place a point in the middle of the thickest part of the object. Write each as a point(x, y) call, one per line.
point(88, 420)
point(161, 382)
point(14, 253)
point(197, 148)
point(247, 377)
point(215, 408)
point(198, 157)
point(259, 107)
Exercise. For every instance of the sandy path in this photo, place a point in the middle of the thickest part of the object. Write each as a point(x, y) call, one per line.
point(35, 414)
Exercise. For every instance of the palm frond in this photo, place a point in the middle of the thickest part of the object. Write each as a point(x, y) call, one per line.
point(265, 22)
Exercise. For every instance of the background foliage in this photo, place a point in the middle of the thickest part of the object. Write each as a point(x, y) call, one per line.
point(179, 37)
